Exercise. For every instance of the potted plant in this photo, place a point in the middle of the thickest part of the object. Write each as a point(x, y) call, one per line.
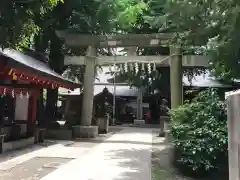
point(102, 116)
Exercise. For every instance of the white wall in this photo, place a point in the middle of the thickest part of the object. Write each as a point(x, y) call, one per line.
point(21, 111)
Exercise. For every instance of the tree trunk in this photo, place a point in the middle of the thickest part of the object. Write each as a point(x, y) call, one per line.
point(56, 63)
point(41, 44)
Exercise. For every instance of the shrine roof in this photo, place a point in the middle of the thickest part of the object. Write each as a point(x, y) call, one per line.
point(17, 59)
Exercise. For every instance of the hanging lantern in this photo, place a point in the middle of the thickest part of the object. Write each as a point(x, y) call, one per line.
point(14, 77)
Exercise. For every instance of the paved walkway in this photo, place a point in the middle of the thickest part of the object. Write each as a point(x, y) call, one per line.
point(58, 150)
point(124, 156)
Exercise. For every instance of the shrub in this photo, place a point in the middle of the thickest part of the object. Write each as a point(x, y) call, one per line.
point(199, 132)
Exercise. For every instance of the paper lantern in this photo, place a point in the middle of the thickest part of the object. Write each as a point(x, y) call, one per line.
point(14, 77)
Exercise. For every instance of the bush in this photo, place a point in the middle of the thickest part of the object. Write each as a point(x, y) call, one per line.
point(199, 132)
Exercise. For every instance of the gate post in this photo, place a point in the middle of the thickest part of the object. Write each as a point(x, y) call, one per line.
point(233, 114)
point(176, 83)
point(86, 130)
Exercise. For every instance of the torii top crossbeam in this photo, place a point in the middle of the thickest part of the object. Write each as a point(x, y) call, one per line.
point(120, 40)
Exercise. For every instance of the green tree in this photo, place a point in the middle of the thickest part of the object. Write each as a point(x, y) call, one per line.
point(212, 25)
point(17, 20)
point(87, 17)
point(81, 16)
point(149, 17)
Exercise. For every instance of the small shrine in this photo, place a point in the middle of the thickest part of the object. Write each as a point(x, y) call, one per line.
point(21, 79)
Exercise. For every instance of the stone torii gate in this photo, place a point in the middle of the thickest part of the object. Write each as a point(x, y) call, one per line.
point(130, 41)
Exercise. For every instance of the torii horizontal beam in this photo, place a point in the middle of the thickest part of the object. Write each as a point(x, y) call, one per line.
point(187, 60)
point(120, 40)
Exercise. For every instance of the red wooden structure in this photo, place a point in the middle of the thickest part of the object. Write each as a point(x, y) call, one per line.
point(24, 76)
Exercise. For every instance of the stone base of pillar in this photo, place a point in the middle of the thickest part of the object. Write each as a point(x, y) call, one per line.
point(103, 124)
point(139, 122)
point(164, 129)
point(85, 131)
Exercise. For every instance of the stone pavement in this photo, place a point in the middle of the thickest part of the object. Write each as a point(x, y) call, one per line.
point(60, 150)
point(124, 156)
point(35, 162)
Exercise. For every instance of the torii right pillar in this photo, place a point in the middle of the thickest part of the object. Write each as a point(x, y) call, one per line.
point(233, 123)
point(176, 77)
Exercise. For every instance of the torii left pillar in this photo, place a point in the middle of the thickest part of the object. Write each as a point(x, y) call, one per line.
point(86, 130)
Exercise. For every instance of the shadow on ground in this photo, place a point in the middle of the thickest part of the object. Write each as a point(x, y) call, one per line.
point(104, 138)
point(97, 141)
point(162, 158)
point(18, 152)
point(131, 164)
